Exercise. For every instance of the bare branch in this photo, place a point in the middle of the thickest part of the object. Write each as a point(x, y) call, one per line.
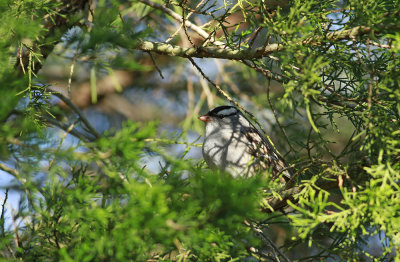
point(206, 52)
point(67, 128)
point(245, 54)
point(78, 112)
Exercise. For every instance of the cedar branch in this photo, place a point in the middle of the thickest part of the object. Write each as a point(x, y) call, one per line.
point(248, 54)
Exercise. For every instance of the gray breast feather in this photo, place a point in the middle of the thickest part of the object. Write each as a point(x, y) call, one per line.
point(242, 153)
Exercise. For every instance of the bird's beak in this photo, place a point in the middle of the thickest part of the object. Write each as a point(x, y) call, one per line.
point(205, 118)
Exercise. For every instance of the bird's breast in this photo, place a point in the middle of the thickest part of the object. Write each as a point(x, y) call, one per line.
point(226, 151)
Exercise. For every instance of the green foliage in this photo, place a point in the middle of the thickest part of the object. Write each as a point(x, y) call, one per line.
point(83, 215)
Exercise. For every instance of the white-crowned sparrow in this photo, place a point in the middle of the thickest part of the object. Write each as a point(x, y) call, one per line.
point(233, 144)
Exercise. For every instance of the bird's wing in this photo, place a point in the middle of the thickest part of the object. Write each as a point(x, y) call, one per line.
point(264, 154)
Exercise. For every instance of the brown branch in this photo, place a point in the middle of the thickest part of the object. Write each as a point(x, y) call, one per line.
point(248, 54)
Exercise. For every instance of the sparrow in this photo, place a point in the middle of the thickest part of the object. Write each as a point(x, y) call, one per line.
point(233, 144)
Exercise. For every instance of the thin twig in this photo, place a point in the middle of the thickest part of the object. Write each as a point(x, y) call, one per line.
point(66, 128)
point(155, 65)
point(178, 18)
point(191, 97)
point(21, 62)
point(61, 141)
point(206, 92)
point(380, 45)
point(226, 95)
point(17, 239)
point(2, 221)
point(254, 36)
point(78, 111)
point(227, 79)
point(276, 116)
point(274, 76)
point(71, 72)
point(181, 25)
point(222, 92)
point(174, 34)
point(184, 25)
point(268, 241)
point(370, 86)
point(168, 141)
